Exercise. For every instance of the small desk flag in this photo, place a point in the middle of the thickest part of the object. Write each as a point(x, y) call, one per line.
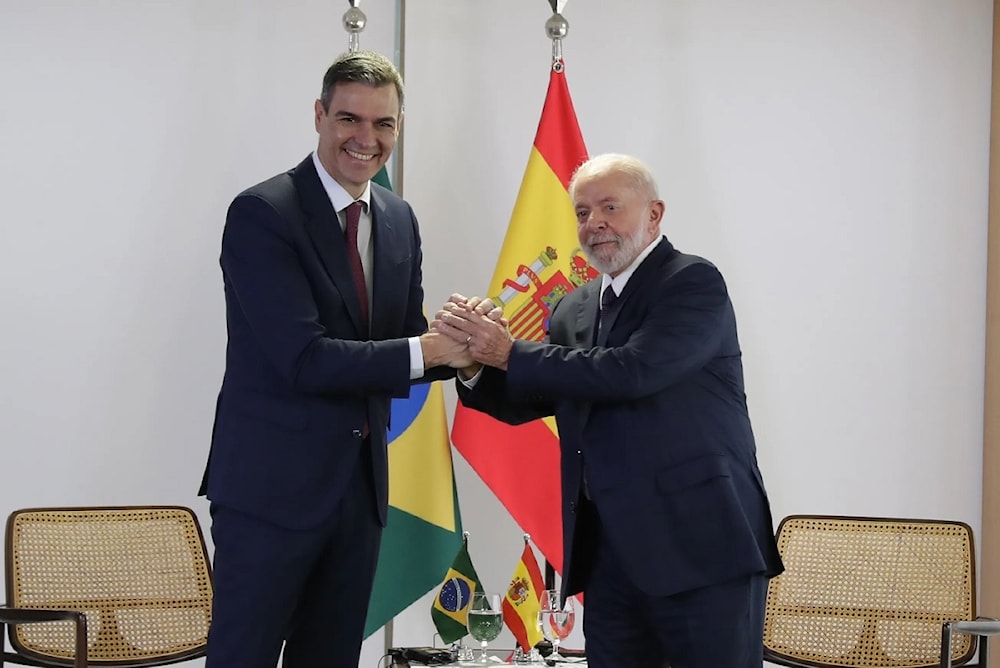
point(451, 607)
point(522, 604)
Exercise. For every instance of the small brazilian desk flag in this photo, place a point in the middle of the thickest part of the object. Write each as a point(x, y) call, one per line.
point(451, 607)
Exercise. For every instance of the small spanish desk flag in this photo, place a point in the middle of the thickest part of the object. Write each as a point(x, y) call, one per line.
point(522, 603)
point(451, 607)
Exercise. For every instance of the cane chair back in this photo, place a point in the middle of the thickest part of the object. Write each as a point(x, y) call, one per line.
point(140, 574)
point(869, 592)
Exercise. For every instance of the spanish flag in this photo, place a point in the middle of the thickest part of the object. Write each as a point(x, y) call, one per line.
point(540, 261)
point(450, 609)
point(522, 603)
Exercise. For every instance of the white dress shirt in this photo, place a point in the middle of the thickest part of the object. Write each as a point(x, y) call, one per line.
point(341, 199)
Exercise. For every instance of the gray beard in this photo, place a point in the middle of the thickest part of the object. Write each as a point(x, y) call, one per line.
point(628, 250)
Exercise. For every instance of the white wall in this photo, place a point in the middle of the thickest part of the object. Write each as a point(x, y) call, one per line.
point(829, 157)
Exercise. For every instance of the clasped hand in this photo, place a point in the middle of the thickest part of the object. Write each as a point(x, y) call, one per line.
point(474, 334)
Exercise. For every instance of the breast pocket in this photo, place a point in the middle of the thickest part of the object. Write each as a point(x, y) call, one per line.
point(704, 516)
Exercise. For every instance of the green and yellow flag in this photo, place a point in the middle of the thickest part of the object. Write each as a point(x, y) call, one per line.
point(450, 609)
point(423, 510)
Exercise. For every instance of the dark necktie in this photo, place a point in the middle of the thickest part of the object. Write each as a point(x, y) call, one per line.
point(608, 300)
point(353, 215)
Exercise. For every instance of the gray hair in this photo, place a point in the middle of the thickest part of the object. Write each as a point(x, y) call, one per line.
point(638, 174)
point(367, 67)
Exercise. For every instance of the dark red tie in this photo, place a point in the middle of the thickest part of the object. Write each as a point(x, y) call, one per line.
point(353, 212)
point(353, 215)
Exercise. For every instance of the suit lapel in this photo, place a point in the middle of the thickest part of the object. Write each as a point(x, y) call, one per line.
point(383, 297)
point(586, 315)
point(647, 268)
point(392, 240)
point(323, 227)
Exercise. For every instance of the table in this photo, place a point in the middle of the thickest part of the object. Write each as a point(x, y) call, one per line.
point(498, 657)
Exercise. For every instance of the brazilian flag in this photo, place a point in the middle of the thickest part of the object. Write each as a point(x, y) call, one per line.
point(450, 609)
point(424, 526)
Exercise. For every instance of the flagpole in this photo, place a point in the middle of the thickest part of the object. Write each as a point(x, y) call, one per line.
point(400, 39)
point(556, 28)
point(354, 21)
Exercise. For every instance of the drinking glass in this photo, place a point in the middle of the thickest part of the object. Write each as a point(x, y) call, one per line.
point(556, 618)
point(485, 619)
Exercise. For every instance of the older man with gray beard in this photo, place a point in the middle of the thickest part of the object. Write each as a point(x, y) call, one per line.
point(666, 525)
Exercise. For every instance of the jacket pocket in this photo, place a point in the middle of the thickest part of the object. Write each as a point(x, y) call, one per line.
point(692, 472)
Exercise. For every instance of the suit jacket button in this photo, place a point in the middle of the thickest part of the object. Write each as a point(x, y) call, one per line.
point(356, 433)
point(572, 506)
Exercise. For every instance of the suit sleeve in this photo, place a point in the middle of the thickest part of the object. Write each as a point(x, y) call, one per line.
point(490, 396)
point(267, 284)
point(673, 334)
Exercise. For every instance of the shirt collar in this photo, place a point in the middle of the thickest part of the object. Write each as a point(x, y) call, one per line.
point(339, 197)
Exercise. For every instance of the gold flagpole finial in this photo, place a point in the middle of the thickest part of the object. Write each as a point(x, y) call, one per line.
point(556, 28)
point(354, 23)
point(527, 538)
point(465, 537)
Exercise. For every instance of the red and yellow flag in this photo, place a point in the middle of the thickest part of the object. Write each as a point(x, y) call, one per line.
point(540, 261)
point(522, 603)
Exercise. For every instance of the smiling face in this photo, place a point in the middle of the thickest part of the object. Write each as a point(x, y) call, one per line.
point(357, 132)
point(615, 218)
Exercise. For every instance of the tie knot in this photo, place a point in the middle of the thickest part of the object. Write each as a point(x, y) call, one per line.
point(608, 298)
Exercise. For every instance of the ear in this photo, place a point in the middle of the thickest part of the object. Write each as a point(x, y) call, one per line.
point(656, 208)
point(320, 114)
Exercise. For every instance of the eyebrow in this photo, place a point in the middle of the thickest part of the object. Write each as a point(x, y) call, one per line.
point(606, 200)
point(348, 114)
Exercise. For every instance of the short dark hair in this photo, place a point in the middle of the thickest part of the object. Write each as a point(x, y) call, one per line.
point(367, 67)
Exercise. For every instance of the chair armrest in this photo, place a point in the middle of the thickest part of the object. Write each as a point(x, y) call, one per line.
point(982, 627)
point(13, 616)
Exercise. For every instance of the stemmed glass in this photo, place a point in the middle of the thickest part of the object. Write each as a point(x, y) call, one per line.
point(556, 618)
point(485, 619)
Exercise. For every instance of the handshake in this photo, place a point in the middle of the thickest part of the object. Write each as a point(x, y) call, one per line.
point(467, 334)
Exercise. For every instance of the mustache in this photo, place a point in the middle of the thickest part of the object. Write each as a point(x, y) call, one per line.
point(597, 238)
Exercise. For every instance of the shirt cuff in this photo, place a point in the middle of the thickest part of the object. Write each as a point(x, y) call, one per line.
point(416, 358)
point(471, 383)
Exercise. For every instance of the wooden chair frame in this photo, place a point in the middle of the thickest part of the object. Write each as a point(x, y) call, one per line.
point(139, 574)
point(874, 592)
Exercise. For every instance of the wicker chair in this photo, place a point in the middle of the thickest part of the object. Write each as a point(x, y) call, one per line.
point(132, 586)
point(874, 592)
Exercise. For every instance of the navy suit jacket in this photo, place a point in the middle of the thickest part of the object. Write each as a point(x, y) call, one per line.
point(301, 374)
point(656, 419)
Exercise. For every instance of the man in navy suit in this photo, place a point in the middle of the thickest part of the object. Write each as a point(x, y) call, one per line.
point(667, 528)
point(324, 329)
